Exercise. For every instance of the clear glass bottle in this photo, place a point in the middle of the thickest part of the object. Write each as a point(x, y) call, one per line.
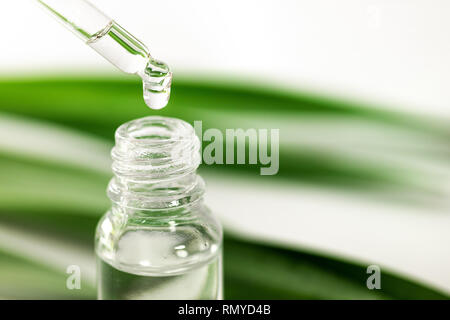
point(159, 240)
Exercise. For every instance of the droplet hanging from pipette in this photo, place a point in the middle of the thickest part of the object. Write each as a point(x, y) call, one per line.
point(156, 81)
point(130, 55)
point(116, 45)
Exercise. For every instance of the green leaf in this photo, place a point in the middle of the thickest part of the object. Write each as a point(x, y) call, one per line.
point(21, 278)
point(268, 272)
point(63, 199)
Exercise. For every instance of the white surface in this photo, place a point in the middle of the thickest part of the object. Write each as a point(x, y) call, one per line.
point(392, 53)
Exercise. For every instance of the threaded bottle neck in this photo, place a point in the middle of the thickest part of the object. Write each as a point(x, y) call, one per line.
point(154, 164)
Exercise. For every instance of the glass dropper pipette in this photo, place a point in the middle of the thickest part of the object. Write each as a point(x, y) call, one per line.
point(116, 45)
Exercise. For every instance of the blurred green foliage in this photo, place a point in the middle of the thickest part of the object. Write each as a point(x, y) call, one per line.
point(61, 201)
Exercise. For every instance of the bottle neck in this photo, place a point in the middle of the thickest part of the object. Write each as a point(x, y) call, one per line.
point(154, 164)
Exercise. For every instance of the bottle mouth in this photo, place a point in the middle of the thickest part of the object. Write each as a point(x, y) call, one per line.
point(154, 163)
point(155, 130)
point(155, 149)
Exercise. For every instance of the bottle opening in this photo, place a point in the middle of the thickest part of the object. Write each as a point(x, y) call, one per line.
point(154, 163)
point(156, 130)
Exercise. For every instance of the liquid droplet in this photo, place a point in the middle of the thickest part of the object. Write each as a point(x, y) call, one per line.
point(157, 81)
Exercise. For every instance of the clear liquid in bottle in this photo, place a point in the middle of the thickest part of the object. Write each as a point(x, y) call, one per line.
point(143, 268)
point(201, 283)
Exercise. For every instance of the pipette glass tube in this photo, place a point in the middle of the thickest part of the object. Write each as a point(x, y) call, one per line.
point(116, 45)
